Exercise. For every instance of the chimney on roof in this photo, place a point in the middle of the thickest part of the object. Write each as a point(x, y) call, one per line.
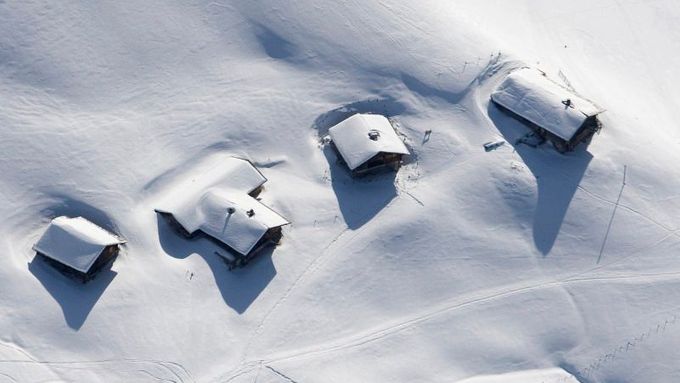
point(250, 212)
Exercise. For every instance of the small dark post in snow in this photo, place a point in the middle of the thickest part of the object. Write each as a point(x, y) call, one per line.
point(611, 220)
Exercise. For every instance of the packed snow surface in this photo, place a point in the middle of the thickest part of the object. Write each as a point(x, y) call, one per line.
point(530, 94)
point(465, 264)
point(74, 242)
point(363, 136)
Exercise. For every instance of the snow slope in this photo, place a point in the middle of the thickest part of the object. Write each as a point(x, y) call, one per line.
point(466, 265)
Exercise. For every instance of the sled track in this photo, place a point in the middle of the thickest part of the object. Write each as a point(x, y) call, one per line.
point(310, 269)
point(361, 339)
point(408, 323)
point(177, 372)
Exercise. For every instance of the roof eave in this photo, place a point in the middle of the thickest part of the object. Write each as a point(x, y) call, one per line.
point(79, 269)
point(530, 120)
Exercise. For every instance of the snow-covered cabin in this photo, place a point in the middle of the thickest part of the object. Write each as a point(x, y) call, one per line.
point(77, 247)
point(220, 203)
point(367, 143)
point(551, 110)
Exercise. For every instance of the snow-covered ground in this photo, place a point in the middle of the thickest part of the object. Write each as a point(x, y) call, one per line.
point(517, 264)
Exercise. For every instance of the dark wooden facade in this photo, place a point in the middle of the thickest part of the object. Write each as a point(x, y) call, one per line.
point(381, 162)
point(271, 237)
point(105, 257)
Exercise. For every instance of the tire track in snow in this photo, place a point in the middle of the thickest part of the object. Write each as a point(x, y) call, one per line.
point(317, 263)
point(312, 266)
point(398, 327)
point(362, 339)
point(280, 374)
point(503, 292)
point(181, 375)
point(157, 378)
point(630, 209)
point(310, 269)
point(17, 349)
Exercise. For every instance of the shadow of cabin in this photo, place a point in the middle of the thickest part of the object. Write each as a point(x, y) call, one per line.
point(240, 287)
point(75, 299)
point(359, 199)
point(106, 257)
point(555, 189)
point(272, 237)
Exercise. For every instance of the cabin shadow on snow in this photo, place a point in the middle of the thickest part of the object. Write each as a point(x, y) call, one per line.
point(274, 45)
point(557, 176)
point(75, 298)
point(359, 199)
point(239, 287)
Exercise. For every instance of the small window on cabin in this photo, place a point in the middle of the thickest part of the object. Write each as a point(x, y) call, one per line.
point(374, 135)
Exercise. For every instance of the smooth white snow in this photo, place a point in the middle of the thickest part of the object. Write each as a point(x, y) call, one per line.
point(362, 136)
point(222, 171)
point(75, 242)
point(533, 376)
point(530, 94)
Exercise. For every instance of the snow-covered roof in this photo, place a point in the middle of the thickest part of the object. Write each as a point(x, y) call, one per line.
point(75, 242)
point(235, 173)
point(527, 92)
point(362, 136)
point(217, 203)
point(232, 217)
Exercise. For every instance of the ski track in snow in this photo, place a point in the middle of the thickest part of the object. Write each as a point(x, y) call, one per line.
point(379, 334)
point(176, 371)
point(8, 376)
point(353, 341)
point(364, 338)
point(162, 93)
point(317, 263)
point(280, 374)
point(630, 209)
